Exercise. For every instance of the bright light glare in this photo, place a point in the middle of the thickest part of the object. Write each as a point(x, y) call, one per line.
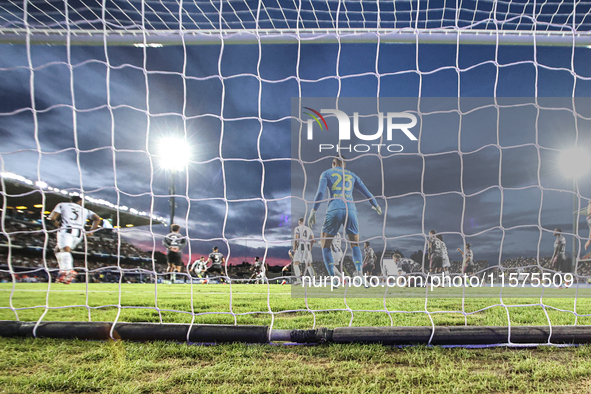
point(174, 153)
point(574, 162)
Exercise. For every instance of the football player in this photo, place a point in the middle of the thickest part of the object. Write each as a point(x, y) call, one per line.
point(174, 243)
point(445, 264)
point(559, 261)
point(302, 244)
point(468, 255)
point(369, 261)
point(73, 217)
point(404, 265)
point(259, 272)
point(199, 267)
point(341, 210)
point(216, 259)
point(337, 253)
point(435, 252)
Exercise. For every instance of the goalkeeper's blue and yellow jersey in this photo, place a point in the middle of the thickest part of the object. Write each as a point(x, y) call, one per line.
point(341, 184)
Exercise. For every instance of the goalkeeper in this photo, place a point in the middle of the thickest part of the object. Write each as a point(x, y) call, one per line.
point(341, 211)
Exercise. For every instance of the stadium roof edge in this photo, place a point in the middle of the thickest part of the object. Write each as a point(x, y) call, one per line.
point(22, 192)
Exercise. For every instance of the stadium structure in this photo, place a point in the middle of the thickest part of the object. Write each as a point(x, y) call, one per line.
point(28, 239)
point(34, 200)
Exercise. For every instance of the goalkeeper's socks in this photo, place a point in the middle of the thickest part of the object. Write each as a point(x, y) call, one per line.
point(328, 261)
point(357, 260)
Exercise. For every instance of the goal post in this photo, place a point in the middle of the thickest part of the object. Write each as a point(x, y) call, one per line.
point(150, 22)
point(290, 36)
point(393, 336)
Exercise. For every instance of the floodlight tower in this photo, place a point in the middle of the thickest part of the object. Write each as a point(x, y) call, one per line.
point(575, 163)
point(175, 155)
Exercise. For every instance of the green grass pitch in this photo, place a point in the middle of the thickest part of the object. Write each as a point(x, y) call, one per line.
point(48, 365)
point(257, 304)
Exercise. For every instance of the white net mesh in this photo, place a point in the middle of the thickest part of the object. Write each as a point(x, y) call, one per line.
point(244, 15)
point(90, 120)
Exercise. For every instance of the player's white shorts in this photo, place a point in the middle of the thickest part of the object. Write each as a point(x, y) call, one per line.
point(303, 256)
point(69, 238)
point(198, 271)
point(446, 263)
point(261, 275)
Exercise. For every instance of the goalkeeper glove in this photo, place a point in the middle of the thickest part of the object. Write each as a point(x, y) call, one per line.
point(377, 209)
point(312, 218)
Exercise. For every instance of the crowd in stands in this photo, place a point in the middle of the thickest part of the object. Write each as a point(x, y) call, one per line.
point(29, 244)
point(527, 264)
point(107, 250)
point(104, 242)
point(24, 234)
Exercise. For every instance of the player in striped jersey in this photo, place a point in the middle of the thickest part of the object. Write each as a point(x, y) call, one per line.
point(435, 252)
point(259, 271)
point(302, 244)
point(445, 262)
point(559, 261)
point(369, 262)
point(341, 210)
point(199, 267)
point(73, 217)
point(337, 253)
point(405, 265)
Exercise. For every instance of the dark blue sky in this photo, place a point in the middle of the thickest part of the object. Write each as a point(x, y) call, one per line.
point(122, 109)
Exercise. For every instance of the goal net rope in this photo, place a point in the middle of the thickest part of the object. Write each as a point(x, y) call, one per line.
point(497, 90)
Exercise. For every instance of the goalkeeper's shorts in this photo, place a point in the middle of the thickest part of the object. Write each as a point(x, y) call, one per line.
point(336, 218)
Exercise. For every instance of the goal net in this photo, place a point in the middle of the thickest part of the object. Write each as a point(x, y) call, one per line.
point(224, 117)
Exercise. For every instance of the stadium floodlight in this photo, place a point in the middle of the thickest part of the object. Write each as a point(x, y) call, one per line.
point(175, 155)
